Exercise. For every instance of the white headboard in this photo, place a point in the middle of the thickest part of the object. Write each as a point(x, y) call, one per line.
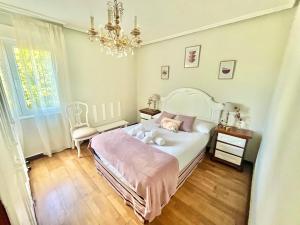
point(192, 102)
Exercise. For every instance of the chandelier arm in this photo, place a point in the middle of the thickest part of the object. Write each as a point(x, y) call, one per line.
point(113, 39)
point(111, 36)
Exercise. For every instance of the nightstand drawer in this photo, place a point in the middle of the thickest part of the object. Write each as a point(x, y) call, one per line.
point(145, 116)
point(230, 149)
point(232, 140)
point(229, 158)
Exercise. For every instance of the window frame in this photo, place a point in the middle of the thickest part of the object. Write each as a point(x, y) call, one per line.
point(23, 110)
point(8, 46)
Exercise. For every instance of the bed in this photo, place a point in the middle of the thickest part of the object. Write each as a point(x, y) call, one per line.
point(146, 176)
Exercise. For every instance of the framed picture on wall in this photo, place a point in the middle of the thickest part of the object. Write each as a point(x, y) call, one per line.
point(165, 72)
point(226, 69)
point(192, 56)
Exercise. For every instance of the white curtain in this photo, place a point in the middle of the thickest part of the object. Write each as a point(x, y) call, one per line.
point(275, 196)
point(14, 182)
point(45, 88)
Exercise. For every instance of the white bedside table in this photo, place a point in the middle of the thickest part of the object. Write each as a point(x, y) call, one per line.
point(230, 146)
point(148, 114)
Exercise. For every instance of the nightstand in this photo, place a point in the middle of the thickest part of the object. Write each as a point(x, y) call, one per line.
point(147, 114)
point(230, 146)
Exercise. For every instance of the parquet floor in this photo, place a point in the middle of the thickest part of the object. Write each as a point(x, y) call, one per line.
point(69, 191)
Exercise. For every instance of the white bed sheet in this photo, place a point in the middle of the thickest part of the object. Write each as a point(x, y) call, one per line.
point(185, 146)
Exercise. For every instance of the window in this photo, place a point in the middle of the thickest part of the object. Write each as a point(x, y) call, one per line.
point(33, 78)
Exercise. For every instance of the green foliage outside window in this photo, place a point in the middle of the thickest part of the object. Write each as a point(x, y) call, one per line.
point(37, 78)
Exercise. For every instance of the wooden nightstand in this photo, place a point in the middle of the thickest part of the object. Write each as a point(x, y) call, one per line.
point(230, 146)
point(147, 114)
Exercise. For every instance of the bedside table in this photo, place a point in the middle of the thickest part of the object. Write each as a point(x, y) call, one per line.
point(147, 114)
point(230, 146)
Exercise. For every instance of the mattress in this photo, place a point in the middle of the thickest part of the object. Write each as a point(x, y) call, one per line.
point(185, 146)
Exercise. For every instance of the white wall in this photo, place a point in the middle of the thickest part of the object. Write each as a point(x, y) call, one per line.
point(275, 197)
point(256, 44)
point(97, 78)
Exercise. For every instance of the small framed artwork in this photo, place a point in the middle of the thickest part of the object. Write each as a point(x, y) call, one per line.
point(226, 70)
point(192, 56)
point(165, 72)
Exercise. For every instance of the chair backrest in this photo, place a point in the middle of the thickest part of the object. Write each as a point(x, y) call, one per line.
point(77, 113)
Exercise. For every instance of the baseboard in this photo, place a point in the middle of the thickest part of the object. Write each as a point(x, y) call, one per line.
point(36, 156)
point(249, 162)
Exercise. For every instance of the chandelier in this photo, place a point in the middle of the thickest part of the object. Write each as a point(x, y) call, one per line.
point(111, 37)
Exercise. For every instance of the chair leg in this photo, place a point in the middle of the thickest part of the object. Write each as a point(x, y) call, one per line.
point(73, 144)
point(77, 143)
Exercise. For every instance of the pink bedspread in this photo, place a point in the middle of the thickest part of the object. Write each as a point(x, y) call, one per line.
point(152, 174)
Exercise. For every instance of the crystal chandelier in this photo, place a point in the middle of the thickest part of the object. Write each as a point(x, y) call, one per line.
point(111, 37)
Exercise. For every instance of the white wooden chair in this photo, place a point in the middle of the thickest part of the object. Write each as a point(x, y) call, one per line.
point(77, 113)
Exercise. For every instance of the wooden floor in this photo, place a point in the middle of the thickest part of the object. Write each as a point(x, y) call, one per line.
point(68, 191)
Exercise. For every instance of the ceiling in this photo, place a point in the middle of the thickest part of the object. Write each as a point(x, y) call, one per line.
point(157, 18)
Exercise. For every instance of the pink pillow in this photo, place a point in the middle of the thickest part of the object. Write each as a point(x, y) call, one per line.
point(165, 115)
point(170, 124)
point(187, 123)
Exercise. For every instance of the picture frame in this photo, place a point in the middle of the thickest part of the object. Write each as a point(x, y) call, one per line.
point(227, 69)
point(192, 56)
point(165, 71)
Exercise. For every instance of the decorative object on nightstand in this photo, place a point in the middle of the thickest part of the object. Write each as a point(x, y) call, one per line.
point(239, 122)
point(228, 108)
point(149, 102)
point(153, 99)
point(148, 114)
point(230, 146)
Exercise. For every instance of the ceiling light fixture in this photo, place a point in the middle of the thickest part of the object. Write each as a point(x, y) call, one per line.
point(111, 37)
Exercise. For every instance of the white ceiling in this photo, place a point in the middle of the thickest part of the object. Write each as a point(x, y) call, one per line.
point(157, 18)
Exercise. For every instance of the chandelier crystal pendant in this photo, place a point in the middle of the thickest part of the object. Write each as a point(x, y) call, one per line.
point(111, 37)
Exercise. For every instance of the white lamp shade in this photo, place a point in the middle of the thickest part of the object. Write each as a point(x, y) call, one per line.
point(155, 97)
point(229, 107)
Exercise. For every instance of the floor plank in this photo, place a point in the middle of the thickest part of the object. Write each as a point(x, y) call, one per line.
point(69, 191)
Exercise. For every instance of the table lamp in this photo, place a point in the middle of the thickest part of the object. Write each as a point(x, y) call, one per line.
point(228, 107)
point(155, 98)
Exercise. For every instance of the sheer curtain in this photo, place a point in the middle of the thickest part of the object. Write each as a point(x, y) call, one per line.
point(43, 88)
point(275, 195)
point(14, 182)
point(7, 93)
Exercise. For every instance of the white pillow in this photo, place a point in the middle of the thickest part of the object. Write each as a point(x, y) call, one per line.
point(204, 126)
